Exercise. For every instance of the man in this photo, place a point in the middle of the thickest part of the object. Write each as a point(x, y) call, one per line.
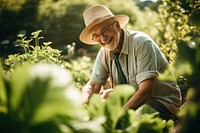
point(128, 57)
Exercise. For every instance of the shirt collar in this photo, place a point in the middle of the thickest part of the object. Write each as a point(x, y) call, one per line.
point(125, 45)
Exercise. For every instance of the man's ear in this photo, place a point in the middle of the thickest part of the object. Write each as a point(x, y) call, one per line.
point(118, 25)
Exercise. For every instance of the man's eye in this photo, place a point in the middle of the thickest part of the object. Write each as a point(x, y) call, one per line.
point(96, 35)
point(105, 31)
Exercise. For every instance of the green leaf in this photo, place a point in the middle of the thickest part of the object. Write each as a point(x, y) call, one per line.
point(21, 35)
point(47, 43)
point(43, 92)
point(92, 126)
point(18, 84)
point(36, 33)
point(118, 98)
point(37, 48)
point(96, 107)
point(148, 124)
point(111, 108)
point(146, 109)
point(3, 93)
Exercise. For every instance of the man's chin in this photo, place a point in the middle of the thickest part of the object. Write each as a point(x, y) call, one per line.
point(109, 46)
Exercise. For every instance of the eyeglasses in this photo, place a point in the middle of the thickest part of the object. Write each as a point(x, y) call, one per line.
point(104, 32)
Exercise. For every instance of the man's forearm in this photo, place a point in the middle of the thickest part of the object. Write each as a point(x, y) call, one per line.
point(141, 96)
point(138, 99)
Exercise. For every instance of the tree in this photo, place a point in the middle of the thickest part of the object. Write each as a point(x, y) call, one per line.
point(61, 21)
point(181, 35)
point(179, 31)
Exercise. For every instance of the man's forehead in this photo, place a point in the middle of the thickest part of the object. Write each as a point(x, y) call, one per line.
point(103, 24)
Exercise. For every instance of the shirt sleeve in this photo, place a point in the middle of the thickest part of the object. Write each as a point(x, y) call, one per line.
point(147, 61)
point(100, 71)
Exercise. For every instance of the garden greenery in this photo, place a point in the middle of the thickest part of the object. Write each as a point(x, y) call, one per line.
point(41, 98)
point(40, 92)
point(35, 52)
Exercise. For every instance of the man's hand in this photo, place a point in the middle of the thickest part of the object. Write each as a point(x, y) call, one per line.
point(90, 88)
point(86, 92)
point(106, 92)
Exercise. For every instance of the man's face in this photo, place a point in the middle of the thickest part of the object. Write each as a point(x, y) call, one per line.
point(107, 34)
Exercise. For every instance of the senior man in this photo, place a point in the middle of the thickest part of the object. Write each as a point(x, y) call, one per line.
point(128, 57)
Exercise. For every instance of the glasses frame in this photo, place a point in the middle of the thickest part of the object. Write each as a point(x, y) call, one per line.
point(104, 32)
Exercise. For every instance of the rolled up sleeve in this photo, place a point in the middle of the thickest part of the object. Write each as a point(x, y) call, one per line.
point(146, 75)
point(147, 62)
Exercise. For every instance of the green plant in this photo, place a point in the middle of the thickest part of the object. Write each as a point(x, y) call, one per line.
point(33, 53)
point(145, 119)
point(41, 98)
point(181, 23)
point(179, 32)
point(81, 69)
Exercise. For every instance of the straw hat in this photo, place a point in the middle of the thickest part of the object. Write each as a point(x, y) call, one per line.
point(95, 15)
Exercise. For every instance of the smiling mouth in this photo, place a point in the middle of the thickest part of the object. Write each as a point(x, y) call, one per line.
point(108, 40)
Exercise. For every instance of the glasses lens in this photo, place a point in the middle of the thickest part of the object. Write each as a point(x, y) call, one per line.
point(96, 37)
point(104, 32)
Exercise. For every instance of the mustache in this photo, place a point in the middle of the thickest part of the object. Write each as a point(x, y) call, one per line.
point(107, 40)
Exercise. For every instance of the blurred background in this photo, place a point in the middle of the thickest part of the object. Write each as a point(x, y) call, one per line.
point(61, 21)
point(174, 25)
point(47, 31)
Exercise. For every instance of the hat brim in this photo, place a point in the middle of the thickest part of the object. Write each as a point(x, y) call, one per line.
point(86, 37)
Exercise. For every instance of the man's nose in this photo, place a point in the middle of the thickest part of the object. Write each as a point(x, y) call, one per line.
point(104, 38)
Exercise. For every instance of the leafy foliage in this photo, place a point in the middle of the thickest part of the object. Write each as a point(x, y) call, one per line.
point(173, 23)
point(181, 23)
point(144, 119)
point(180, 37)
point(41, 98)
point(37, 102)
point(80, 68)
point(34, 53)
